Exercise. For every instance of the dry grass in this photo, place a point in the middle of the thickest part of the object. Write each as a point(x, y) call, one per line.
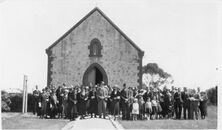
point(209, 123)
point(29, 121)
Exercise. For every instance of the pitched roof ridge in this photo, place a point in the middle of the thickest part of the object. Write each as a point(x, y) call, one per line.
point(85, 17)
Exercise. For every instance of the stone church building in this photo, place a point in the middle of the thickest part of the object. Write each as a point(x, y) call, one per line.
point(94, 50)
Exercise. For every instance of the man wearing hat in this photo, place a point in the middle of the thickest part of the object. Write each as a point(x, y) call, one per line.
point(102, 95)
point(72, 103)
point(44, 100)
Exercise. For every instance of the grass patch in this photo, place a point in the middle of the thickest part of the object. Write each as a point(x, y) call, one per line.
point(18, 121)
point(209, 123)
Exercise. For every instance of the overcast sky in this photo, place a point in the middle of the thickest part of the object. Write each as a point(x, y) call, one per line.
point(182, 36)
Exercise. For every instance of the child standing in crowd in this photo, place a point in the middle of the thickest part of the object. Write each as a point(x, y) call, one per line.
point(135, 110)
point(148, 108)
point(154, 108)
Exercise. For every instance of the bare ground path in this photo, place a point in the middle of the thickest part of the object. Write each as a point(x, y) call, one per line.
point(29, 121)
point(93, 123)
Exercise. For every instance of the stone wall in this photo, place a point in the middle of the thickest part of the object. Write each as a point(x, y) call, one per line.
point(71, 58)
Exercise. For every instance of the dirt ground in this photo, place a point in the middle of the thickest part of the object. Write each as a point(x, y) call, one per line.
point(209, 123)
point(30, 121)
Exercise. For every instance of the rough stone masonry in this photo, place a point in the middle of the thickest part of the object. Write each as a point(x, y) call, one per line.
point(69, 57)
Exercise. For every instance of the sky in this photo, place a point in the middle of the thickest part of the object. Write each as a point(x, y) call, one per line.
point(182, 36)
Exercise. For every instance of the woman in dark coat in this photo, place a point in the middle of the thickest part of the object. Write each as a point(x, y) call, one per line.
point(53, 104)
point(60, 97)
point(93, 102)
point(115, 99)
point(82, 99)
point(44, 101)
point(203, 104)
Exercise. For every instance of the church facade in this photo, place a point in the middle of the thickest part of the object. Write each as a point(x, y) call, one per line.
point(94, 50)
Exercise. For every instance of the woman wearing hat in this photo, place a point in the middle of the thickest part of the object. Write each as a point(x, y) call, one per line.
point(203, 104)
point(115, 99)
point(83, 97)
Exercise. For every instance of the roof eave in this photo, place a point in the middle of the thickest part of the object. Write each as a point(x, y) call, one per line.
point(107, 18)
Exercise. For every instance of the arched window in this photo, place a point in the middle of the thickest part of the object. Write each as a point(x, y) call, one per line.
point(95, 48)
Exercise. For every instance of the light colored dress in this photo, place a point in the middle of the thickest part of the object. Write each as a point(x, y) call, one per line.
point(135, 109)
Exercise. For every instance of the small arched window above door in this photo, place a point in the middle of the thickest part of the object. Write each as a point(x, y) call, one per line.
point(95, 48)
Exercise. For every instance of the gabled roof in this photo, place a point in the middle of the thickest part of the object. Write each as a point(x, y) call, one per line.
point(91, 12)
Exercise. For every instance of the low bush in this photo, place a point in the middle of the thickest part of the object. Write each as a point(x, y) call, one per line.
point(212, 95)
point(5, 101)
point(16, 102)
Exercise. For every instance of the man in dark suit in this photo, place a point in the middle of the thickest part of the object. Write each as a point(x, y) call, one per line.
point(178, 103)
point(36, 94)
point(53, 103)
point(185, 98)
point(82, 99)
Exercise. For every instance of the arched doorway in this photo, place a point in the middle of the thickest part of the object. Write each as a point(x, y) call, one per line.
point(94, 74)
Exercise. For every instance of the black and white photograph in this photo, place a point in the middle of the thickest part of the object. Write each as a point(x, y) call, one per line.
point(110, 64)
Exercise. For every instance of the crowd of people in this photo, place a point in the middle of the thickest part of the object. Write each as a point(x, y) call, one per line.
point(126, 103)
